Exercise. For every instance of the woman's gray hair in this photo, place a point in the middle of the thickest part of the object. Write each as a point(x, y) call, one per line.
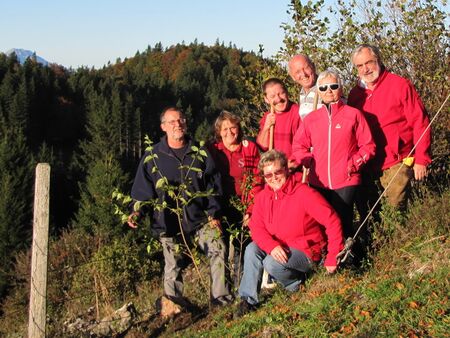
point(272, 156)
point(330, 72)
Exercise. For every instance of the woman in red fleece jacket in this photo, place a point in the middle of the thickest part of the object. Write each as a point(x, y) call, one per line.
point(237, 161)
point(334, 141)
point(286, 231)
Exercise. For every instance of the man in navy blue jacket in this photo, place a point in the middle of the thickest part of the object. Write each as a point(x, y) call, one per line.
point(200, 217)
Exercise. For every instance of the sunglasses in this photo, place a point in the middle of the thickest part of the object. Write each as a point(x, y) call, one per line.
point(269, 176)
point(332, 86)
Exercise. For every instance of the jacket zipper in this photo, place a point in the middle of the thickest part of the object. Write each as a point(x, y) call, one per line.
point(329, 149)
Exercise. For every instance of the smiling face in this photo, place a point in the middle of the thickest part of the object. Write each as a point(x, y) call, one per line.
point(302, 72)
point(276, 96)
point(327, 93)
point(174, 125)
point(229, 133)
point(368, 67)
point(275, 175)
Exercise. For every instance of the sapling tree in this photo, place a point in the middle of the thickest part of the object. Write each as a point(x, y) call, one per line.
point(180, 194)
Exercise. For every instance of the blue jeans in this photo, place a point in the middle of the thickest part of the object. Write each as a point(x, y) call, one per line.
point(289, 275)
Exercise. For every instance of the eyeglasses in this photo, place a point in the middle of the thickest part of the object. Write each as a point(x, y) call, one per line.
point(174, 122)
point(277, 173)
point(332, 86)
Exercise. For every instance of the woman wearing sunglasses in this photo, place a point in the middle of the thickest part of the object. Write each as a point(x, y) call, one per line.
point(334, 142)
point(287, 229)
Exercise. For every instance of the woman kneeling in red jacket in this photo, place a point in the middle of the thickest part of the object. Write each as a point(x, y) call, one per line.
point(286, 230)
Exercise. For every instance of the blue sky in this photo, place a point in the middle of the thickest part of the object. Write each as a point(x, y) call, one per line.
point(92, 32)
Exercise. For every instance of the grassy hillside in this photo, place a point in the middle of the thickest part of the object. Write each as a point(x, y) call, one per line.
point(403, 291)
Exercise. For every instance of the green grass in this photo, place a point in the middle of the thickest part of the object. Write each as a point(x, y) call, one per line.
point(403, 293)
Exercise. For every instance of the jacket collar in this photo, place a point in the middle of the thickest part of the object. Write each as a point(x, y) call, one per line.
point(334, 107)
point(221, 146)
point(165, 145)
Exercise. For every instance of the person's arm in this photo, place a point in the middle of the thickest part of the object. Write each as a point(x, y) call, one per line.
point(366, 145)
point(301, 146)
point(264, 130)
point(257, 226)
point(143, 189)
point(213, 183)
point(251, 160)
point(419, 121)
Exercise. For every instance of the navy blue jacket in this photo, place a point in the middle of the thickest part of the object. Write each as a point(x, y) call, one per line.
point(196, 213)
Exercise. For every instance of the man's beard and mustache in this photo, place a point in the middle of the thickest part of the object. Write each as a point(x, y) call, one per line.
point(372, 77)
point(178, 134)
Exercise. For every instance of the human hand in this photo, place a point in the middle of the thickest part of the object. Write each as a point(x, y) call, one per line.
point(292, 164)
point(279, 254)
point(245, 220)
point(215, 223)
point(331, 268)
point(270, 120)
point(132, 219)
point(420, 171)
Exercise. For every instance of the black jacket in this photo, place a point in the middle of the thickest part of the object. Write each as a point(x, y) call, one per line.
point(168, 165)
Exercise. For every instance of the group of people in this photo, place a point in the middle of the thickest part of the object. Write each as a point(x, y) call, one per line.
point(311, 162)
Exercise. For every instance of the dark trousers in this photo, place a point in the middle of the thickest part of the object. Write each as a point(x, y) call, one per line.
point(342, 202)
point(236, 240)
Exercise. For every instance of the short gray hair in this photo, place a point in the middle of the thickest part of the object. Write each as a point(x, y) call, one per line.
point(272, 156)
point(165, 110)
point(373, 50)
point(330, 72)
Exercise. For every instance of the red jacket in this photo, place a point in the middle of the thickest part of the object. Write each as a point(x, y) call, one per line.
point(397, 119)
point(285, 128)
point(334, 146)
point(235, 167)
point(292, 217)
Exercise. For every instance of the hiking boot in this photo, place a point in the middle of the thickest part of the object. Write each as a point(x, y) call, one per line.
point(243, 308)
point(222, 301)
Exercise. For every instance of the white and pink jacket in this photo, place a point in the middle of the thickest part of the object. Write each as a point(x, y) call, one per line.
point(334, 142)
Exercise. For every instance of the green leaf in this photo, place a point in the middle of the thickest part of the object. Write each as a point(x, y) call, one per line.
point(161, 183)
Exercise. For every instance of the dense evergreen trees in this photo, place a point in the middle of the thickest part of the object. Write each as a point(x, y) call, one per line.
point(89, 124)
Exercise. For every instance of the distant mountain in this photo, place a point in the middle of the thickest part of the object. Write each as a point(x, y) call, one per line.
point(23, 54)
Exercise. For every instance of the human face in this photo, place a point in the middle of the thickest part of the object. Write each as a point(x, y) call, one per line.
point(302, 72)
point(174, 125)
point(229, 133)
point(367, 66)
point(277, 97)
point(329, 95)
point(274, 175)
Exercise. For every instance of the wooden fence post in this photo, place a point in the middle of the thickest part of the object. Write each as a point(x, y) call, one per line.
point(38, 288)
